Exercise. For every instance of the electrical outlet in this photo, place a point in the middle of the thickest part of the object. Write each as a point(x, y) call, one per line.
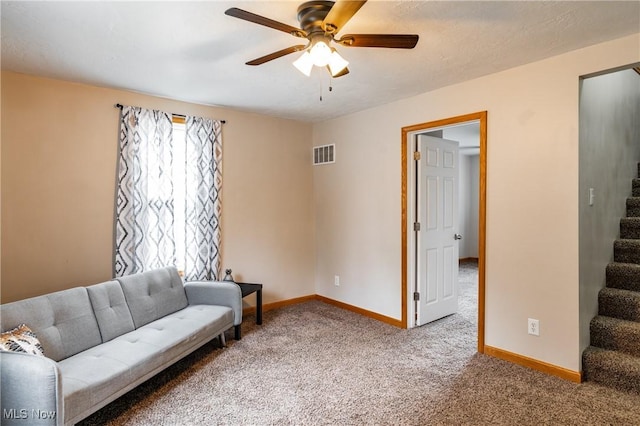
point(534, 327)
point(336, 280)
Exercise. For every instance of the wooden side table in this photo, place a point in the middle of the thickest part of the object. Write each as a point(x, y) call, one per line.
point(247, 289)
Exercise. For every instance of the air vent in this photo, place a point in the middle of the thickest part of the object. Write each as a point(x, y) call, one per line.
point(324, 154)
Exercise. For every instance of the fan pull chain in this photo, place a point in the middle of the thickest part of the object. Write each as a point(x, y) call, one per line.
point(322, 86)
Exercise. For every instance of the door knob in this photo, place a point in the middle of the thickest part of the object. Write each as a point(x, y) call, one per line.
point(457, 237)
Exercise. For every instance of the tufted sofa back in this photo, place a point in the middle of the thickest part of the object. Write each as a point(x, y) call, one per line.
point(63, 321)
point(111, 310)
point(153, 294)
point(70, 321)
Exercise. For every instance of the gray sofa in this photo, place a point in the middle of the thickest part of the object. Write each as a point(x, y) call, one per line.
point(103, 340)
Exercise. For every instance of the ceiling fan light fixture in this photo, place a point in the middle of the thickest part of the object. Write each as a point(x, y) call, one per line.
point(320, 53)
point(336, 63)
point(304, 63)
point(320, 21)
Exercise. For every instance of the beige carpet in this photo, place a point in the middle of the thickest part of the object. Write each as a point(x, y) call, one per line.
point(315, 364)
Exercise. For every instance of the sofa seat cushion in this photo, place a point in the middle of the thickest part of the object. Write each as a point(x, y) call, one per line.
point(100, 374)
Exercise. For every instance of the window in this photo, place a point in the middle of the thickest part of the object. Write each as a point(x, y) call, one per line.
point(167, 206)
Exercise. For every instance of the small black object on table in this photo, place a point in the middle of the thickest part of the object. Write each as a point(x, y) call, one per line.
point(247, 289)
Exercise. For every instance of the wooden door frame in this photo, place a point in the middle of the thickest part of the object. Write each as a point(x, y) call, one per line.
point(482, 211)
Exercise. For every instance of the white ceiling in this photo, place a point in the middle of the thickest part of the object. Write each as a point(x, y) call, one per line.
point(192, 51)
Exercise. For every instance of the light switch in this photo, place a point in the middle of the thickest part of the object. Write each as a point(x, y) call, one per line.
point(591, 196)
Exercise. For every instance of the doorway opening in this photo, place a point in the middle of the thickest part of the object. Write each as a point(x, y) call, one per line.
point(409, 211)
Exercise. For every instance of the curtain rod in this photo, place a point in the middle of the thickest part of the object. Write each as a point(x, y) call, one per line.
point(120, 106)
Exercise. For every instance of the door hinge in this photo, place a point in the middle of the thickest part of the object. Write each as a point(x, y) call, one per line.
point(416, 296)
point(416, 226)
point(416, 155)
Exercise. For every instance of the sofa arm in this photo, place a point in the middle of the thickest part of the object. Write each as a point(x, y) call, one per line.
point(30, 390)
point(216, 293)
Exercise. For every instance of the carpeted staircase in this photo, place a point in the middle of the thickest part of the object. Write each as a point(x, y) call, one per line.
point(613, 359)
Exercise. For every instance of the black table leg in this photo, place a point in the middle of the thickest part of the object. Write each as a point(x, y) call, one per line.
point(259, 307)
point(247, 289)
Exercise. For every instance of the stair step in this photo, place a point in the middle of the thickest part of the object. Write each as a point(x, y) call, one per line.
point(621, 304)
point(635, 187)
point(633, 207)
point(611, 368)
point(616, 334)
point(613, 359)
point(626, 251)
point(630, 227)
point(625, 276)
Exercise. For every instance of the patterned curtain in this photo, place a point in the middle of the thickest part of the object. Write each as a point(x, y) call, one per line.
point(203, 183)
point(144, 205)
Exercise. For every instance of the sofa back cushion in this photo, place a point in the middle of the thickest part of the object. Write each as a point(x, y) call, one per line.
point(63, 321)
point(111, 310)
point(153, 294)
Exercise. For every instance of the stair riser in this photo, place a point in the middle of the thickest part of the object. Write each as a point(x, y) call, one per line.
point(617, 380)
point(618, 307)
point(633, 207)
point(630, 229)
point(623, 278)
point(611, 370)
point(633, 211)
point(635, 188)
point(626, 254)
point(616, 338)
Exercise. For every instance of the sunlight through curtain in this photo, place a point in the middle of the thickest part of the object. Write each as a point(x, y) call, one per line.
point(203, 180)
point(159, 170)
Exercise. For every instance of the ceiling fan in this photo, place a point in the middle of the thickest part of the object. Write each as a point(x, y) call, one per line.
point(320, 21)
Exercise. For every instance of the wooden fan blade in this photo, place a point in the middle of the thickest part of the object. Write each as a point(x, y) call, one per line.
point(261, 20)
point(393, 41)
point(340, 13)
point(276, 55)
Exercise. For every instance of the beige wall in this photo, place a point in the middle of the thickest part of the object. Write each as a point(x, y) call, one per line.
point(532, 199)
point(59, 143)
point(58, 187)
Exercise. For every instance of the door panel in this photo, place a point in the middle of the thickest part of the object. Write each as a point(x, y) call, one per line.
point(432, 203)
point(431, 271)
point(450, 257)
point(437, 248)
point(432, 157)
point(448, 202)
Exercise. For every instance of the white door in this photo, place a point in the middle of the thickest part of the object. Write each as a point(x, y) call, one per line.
point(437, 237)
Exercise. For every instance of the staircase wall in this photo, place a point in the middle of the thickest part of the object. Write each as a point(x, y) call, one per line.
point(609, 153)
